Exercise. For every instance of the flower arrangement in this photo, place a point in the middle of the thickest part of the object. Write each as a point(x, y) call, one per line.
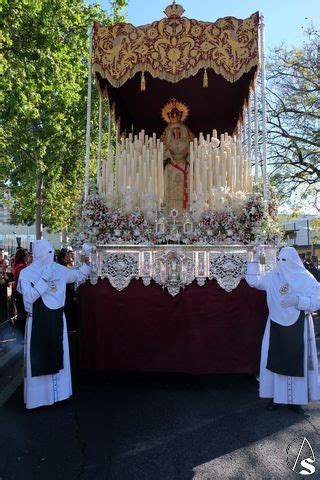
point(245, 222)
point(97, 223)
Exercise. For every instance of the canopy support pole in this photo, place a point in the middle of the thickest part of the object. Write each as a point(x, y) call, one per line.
point(99, 141)
point(88, 126)
point(264, 114)
point(256, 134)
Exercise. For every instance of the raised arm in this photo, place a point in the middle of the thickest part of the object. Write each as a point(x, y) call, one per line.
point(253, 277)
point(78, 275)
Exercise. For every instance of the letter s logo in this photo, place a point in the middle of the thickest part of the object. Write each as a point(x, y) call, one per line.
point(310, 469)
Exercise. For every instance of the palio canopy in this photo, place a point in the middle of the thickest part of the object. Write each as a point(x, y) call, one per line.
point(208, 66)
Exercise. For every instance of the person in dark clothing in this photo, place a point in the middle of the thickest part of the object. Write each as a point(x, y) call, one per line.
point(70, 306)
point(314, 268)
point(20, 262)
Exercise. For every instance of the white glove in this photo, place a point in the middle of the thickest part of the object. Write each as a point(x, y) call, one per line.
point(86, 249)
point(290, 301)
point(47, 273)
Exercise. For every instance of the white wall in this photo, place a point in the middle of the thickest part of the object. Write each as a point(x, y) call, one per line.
point(304, 231)
point(8, 234)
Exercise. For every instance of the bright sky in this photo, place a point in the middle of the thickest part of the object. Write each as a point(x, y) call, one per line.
point(284, 19)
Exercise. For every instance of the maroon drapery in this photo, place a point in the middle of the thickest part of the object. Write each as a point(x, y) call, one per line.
point(201, 330)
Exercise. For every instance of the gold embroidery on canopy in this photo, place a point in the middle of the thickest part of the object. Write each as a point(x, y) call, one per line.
point(175, 48)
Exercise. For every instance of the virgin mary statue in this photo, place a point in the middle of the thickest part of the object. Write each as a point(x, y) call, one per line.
point(176, 141)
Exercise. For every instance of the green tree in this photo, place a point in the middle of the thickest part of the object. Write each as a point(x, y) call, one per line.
point(45, 86)
point(293, 119)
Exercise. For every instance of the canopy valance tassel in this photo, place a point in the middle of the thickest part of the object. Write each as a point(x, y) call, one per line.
point(143, 83)
point(205, 79)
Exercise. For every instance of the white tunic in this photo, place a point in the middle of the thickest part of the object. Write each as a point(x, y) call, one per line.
point(281, 388)
point(47, 389)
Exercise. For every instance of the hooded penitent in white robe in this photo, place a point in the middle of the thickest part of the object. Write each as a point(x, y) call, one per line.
point(47, 389)
point(289, 280)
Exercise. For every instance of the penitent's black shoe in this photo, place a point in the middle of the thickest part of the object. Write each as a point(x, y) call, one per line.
point(296, 408)
point(273, 406)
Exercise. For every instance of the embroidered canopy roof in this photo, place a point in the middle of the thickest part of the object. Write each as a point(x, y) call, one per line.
point(177, 56)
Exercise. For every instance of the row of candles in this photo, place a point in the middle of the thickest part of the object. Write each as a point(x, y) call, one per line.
point(218, 163)
point(137, 167)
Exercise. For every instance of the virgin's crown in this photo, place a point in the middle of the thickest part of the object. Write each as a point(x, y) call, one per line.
point(175, 115)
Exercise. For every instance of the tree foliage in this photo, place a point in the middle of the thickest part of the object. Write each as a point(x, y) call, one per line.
point(45, 87)
point(293, 120)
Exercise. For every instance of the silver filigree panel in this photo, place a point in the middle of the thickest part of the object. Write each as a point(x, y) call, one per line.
point(174, 266)
point(227, 268)
point(120, 268)
point(173, 269)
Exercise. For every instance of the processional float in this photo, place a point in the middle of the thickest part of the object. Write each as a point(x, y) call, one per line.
point(175, 199)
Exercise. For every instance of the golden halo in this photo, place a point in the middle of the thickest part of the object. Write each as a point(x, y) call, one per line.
point(174, 111)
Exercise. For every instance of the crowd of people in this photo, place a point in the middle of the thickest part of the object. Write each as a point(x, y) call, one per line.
point(311, 263)
point(10, 269)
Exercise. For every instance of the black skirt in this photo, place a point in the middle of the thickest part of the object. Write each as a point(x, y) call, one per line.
point(46, 346)
point(286, 348)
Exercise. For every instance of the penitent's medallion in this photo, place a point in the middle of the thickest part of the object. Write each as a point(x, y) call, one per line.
point(284, 289)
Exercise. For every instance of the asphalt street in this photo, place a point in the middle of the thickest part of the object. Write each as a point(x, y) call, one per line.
point(154, 427)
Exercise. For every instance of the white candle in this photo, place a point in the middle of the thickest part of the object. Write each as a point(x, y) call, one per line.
point(241, 172)
point(144, 176)
point(191, 162)
point(197, 171)
point(238, 186)
point(229, 169)
point(124, 176)
point(210, 171)
point(195, 144)
point(216, 158)
point(111, 183)
point(162, 170)
point(148, 168)
point(223, 169)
